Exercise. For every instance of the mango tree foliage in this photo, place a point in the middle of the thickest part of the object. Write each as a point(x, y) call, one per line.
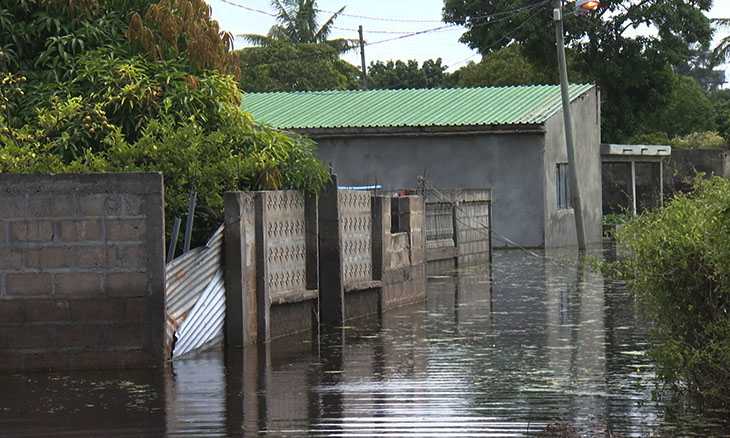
point(79, 92)
point(631, 67)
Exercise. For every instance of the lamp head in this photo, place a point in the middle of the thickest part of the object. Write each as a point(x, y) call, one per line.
point(585, 6)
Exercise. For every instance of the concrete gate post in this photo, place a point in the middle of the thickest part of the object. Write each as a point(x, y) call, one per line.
point(331, 289)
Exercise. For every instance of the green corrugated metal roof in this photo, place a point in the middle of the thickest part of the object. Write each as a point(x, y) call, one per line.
point(412, 107)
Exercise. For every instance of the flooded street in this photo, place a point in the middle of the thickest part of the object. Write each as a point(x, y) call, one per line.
point(489, 354)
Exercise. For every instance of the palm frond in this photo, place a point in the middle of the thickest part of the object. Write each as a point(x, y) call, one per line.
point(257, 40)
point(721, 53)
point(326, 28)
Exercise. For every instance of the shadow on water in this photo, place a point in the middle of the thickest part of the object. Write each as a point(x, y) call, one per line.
point(500, 353)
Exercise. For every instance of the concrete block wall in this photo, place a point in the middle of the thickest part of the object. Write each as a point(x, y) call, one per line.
point(404, 277)
point(81, 271)
point(271, 265)
point(680, 167)
point(287, 267)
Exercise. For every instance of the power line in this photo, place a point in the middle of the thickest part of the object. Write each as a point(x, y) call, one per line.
point(397, 20)
point(248, 8)
point(420, 32)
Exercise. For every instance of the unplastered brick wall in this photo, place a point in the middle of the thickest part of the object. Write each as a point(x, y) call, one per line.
point(81, 271)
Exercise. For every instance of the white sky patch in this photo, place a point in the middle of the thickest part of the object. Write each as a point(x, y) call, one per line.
point(384, 20)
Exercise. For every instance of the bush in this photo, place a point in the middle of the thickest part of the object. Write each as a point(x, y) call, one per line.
point(678, 266)
point(93, 86)
point(695, 140)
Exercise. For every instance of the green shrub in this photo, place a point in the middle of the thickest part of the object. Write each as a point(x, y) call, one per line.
point(92, 86)
point(699, 140)
point(678, 266)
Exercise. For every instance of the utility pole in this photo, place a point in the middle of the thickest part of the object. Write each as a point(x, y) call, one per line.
point(567, 120)
point(362, 59)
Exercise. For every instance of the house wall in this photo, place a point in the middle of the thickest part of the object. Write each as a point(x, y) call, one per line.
point(82, 281)
point(560, 223)
point(509, 164)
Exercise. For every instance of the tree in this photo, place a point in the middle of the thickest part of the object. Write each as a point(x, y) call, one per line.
point(395, 75)
point(721, 102)
point(688, 110)
point(504, 67)
point(297, 23)
point(137, 99)
point(700, 67)
point(281, 66)
point(632, 70)
point(721, 52)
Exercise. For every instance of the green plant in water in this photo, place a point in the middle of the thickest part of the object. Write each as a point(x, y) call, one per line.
point(678, 267)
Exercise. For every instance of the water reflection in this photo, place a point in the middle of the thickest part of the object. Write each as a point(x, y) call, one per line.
point(501, 353)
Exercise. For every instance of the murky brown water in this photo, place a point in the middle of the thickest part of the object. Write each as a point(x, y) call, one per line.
point(497, 356)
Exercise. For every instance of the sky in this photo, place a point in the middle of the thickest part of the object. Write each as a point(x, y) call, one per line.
point(383, 22)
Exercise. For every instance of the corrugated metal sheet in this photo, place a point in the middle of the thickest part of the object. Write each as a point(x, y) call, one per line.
point(187, 276)
point(195, 295)
point(411, 107)
point(203, 326)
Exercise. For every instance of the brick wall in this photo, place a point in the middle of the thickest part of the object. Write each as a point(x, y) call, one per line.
point(81, 271)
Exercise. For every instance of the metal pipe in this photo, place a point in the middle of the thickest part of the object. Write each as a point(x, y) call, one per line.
point(189, 222)
point(173, 240)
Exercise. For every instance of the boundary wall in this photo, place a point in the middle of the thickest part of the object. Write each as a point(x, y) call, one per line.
point(82, 281)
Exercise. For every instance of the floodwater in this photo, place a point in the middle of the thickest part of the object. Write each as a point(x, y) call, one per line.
point(494, 354)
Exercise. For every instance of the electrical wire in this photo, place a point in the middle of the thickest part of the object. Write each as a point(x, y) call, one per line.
point(248, 8)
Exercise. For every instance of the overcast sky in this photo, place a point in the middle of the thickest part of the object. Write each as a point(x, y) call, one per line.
point(383, 21)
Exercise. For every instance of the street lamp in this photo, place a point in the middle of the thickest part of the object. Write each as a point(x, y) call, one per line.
point(585, 6)
point(581, 7)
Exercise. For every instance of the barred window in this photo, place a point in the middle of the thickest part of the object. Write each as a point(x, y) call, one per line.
point(562, 186)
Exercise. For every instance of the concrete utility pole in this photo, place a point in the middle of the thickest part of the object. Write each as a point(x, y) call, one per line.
point(362, 59)
point(567, 119)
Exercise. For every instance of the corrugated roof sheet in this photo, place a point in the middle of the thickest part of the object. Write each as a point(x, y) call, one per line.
point(411, 107)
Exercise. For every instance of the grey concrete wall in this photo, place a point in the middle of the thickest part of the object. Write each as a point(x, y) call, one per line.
point(271, 266)
point(680, 168)
point(82, 280)
point(240, 272)
point(560, 223)
point(509, 164)
point(404, 276)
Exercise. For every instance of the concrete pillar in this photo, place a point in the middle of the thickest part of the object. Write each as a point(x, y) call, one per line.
point(241, 324)
point(331, 290)
point(311, 219)
point(262, 271)
point(381, 226)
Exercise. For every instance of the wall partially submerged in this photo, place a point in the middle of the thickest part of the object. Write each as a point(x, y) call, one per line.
point(81, 271)
point(327, 261)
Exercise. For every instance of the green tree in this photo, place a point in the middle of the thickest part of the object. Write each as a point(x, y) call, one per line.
point(297, 23)
point(721, 102)
point(633, 71)
point(688, 110)
point(281, 66)
point(721, 52)
point(395, 75)
point(504, 67)
point(136, 102)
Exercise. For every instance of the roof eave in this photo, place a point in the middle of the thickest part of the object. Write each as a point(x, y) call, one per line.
point(420, 131)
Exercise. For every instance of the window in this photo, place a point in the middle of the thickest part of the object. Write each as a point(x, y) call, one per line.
point(562, 186)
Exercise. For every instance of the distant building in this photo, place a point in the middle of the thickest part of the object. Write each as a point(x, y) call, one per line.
point(509, 139)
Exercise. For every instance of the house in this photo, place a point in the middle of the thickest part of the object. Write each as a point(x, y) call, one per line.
point(509, 139)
